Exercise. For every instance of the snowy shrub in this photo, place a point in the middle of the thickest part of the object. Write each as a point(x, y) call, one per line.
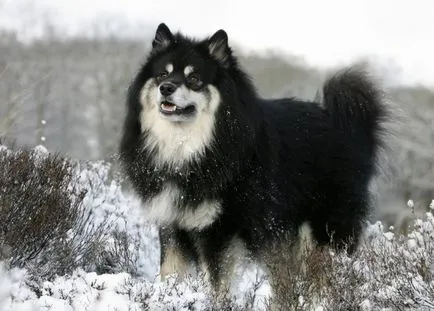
point(38, 207)
point(57, 215)
point(387, 272)
point(130, 245)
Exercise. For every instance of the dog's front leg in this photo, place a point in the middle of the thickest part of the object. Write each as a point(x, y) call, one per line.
point(217, 260)
point(177, 253)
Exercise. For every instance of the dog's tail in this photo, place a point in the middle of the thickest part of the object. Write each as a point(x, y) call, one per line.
point(357, 107)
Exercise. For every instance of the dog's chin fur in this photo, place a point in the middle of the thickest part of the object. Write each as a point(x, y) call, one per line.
point(175, 141)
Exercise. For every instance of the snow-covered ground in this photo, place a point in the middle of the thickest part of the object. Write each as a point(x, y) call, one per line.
point(121, 212)
point(383, 278)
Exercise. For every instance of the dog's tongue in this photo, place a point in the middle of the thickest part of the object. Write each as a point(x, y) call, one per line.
point(168, 107)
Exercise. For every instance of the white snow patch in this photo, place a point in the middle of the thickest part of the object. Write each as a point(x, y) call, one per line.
point(14, 293)
point(410, 203)
point(40, 150)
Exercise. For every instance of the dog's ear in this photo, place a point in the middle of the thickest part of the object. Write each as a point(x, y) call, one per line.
point(163, 37)
point(218, 47)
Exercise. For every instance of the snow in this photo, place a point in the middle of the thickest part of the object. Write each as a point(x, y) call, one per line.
point(366, 305)
point(14, 294)
point(109, 204)
point(39, 153)
point(89, 291)
point(40, 150)
point(410, 203)
point(141, 289)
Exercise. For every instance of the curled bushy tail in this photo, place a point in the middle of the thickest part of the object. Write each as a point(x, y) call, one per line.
point(356, 105)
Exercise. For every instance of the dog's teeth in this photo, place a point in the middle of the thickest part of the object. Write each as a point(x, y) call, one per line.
point(169, 108)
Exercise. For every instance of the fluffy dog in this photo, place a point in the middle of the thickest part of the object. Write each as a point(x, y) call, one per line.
point(222, 170)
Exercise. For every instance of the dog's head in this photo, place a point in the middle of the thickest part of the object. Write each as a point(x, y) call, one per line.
point(179, 95)
point(182, 75)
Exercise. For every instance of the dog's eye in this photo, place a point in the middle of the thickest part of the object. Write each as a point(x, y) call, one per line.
point(162, 75)
point(193, 78)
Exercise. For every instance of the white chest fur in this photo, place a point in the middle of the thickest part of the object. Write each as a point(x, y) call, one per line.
point(163, 209)
point(178, 142)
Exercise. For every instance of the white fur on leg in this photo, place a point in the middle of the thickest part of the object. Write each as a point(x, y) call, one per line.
point(304, 245)
point(174, 263)
point(305, 238)
point(233, 257)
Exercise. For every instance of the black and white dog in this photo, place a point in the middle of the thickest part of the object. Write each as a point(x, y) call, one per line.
point(222, 170)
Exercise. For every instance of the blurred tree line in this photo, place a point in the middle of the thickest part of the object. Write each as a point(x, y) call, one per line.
point(68, 94)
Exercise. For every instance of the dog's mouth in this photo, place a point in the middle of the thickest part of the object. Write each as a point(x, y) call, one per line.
point(168, 108)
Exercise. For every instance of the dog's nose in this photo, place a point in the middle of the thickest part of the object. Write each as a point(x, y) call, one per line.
point(167, 88)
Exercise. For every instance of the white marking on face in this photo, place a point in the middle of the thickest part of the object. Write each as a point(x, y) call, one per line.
point(148, 96)
point(188, 69)
point(173, 141)
point(169, 68)
point(163, 209)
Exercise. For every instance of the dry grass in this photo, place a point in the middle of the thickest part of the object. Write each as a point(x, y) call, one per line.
point(44, 226)
point(384, 272)
point(36, 205)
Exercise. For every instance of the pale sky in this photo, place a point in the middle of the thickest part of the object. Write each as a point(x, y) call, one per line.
point(322, 32)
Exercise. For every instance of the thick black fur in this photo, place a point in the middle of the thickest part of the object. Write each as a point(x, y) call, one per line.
point(274, 164)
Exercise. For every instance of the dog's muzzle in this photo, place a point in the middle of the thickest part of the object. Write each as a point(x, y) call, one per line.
point(169, 105)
